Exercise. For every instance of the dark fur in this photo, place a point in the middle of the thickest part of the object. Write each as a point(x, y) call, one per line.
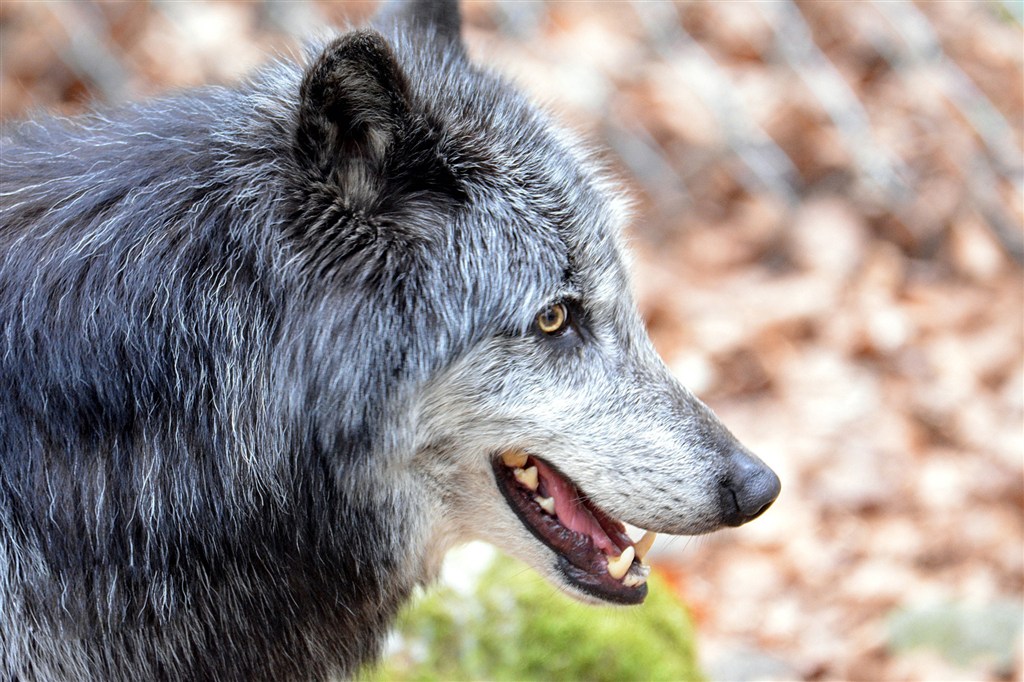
point(206, 304)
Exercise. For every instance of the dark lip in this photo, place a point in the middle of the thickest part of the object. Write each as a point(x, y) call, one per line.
point(580, 563)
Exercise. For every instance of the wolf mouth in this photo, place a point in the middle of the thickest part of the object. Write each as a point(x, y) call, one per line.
point(594, 553)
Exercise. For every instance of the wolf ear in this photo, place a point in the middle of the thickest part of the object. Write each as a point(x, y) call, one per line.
point(441, 16)
point(354, 103)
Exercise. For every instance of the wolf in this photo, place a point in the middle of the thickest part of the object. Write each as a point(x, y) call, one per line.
point(268, 351)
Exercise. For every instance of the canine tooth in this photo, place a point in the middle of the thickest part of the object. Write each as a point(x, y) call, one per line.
point(546, 503)
point(617, 566)
point(527, 477)
point(643, 545)
point(514, 458)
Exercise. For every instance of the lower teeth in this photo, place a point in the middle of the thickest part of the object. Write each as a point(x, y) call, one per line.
point(637, 576)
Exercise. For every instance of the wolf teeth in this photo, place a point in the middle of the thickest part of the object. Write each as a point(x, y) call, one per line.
point(618, 566)
point(514, 458)
point(643, 545)
point(636, 576)
point(546, 503)
point(631, 580)
point(527, 477)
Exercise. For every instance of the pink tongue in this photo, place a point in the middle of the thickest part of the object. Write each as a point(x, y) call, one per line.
point(571, 512)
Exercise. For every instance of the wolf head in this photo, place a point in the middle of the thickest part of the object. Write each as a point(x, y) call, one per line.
point(524, 399)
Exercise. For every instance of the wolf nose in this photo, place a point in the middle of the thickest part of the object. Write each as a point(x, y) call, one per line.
point(749, 488)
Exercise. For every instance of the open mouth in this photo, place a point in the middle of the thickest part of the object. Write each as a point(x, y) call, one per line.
point(594, 553)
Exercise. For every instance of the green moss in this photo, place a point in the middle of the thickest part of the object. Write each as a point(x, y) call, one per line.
point(515, 626)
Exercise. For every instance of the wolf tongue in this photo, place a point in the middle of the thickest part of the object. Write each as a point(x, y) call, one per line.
point(571, 512)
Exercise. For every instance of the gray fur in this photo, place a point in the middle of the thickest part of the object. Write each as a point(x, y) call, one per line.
point(258, 346)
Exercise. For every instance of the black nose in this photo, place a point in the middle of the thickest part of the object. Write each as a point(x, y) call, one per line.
point(749, 488)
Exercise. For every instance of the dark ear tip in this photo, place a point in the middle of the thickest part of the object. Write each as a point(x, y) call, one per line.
point(354, 99)
point(355, 65)
point(360, 40)
point(359, 49)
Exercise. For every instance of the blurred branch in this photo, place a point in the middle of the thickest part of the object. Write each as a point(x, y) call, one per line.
point(924, 50)
point(769, 165)
point(87, 53)
point(652, 169)
point(794, 43)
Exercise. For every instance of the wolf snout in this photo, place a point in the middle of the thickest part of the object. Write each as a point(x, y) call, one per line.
point(748, 490)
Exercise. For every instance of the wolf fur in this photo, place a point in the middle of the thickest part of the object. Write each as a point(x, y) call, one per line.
point(259, 344)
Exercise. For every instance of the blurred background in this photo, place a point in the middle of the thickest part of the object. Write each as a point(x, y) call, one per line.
point(830, 245)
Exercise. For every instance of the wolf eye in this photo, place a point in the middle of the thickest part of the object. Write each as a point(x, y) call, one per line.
point(553, 319)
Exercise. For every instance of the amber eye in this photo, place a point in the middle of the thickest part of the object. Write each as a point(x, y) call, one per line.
point(553, 319)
